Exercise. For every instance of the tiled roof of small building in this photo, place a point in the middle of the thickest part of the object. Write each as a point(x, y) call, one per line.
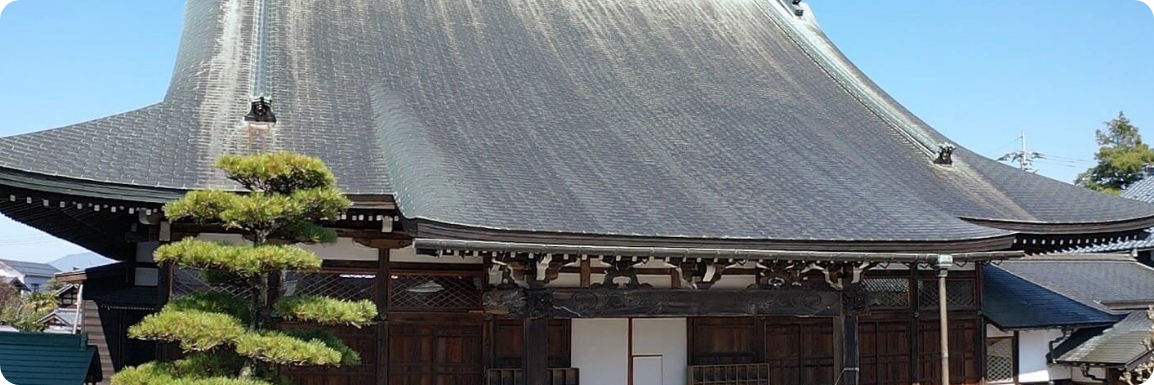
point(47, 359)
point(1012, 302)
point(1119, 345)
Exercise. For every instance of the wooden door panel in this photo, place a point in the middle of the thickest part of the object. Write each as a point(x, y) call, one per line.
point(965, 351)
point(436, 352)
point(884, 348)
point(362, 340)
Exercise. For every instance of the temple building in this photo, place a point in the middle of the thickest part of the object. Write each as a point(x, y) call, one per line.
point(597, 192)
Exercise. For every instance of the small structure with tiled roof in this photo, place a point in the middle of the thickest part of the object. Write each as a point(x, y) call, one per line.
point(1076, 317)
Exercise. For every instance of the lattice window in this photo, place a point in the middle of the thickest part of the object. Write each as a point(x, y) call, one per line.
point(435, 291)
point(1000, 360)
point(352, 287)
point(888, 292)
point(188, 281)
point(959, 293)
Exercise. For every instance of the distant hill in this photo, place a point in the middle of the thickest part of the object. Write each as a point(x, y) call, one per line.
point(80, 262)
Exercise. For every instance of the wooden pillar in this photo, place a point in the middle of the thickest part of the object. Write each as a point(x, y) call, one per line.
point(854, 302)
point(850, 357)
point(536, 362)
point(382, 297)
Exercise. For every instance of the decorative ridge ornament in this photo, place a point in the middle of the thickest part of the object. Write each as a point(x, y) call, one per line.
point(260, 113)
point(945, 154)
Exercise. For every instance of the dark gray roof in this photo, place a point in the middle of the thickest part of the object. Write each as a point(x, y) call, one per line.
point(1012, 302)
point(1109, 283)
point(1118, 345)
point(31, 268)
point(702, 119)
point(1142, 191)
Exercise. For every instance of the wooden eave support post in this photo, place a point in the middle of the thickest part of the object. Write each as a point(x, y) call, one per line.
point(384, 278)
point(848, 323)
point(535, 366)
point(943, 267)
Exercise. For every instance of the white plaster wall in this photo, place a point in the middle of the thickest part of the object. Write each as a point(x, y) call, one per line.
point(345, 249)
point(1033, 346)
point(146, 276)
point(993, 331)
point(1096, 372)
point(734, 282)
point(601, 350)
point(665, 337)
point(144, 251)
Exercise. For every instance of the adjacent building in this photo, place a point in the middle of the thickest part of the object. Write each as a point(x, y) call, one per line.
point(599, 192)
point(26, 276)
point(1067, 318)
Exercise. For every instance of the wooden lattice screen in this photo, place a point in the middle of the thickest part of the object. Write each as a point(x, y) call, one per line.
point(428, 290)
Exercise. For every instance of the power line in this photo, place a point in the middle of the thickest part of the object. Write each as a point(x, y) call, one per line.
point(1024, 157)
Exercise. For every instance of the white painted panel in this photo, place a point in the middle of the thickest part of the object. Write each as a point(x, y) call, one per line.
point(563, 280)
point(1033, 346)
point(601, 350)
point(648, 370)
point(735, 282)
point(144, 251)
point(993, 331)
point(147, 276)
point(665, 337)
point(657, 281)
point(409, 254)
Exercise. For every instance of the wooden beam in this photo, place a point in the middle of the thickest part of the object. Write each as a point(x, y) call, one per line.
point(595, 303)
point(586, 273)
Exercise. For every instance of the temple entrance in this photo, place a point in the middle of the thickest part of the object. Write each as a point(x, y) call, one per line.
point(436, 350)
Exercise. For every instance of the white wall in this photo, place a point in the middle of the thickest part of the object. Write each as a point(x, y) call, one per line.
point(345, 249)
point(666, 338)
point(601, 350)
point(1033, 346)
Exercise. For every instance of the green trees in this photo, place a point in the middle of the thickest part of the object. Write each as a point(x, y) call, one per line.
point(24, 311)
point(1122, 157)
point(226, 338)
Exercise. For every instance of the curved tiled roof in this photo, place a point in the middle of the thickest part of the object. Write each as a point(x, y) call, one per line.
point(699, 119)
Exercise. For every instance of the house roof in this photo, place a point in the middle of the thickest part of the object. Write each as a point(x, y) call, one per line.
point(65, 316)
point(1119, 345)
point(609, 121)
point(1111, 283)
point(1142, 190)
point(1008, 294)
point(42, 270)
point(47, 359)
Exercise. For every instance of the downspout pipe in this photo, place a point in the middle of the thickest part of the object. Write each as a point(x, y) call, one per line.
point(943, 265)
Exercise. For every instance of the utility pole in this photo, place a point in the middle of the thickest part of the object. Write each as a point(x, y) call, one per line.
point(1024, 157)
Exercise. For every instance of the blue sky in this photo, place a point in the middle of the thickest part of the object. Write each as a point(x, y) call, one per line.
point(980, 71)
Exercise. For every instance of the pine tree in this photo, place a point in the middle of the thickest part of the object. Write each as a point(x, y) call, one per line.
point(227, 339)
point(1122, 158)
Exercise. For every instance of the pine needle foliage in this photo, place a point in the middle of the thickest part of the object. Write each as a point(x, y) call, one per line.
point(326, 311)
point(226, 337)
